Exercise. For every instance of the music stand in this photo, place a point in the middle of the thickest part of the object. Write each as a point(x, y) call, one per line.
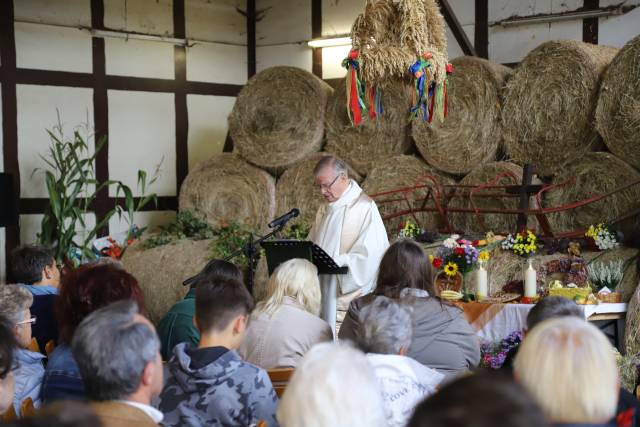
point(279, 251)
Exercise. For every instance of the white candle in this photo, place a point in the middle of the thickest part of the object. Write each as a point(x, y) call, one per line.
point(530, 282)
point(481, 282)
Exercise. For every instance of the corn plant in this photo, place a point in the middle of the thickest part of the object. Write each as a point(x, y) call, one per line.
point(72, 188)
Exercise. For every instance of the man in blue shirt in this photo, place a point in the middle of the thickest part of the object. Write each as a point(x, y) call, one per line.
point(36, 269)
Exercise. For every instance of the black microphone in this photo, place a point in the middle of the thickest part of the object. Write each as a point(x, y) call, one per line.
point(282, 220)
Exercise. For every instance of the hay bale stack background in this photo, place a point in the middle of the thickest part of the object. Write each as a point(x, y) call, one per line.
point(278, 117)
point(160, 271)
point(549, 104)
point(226, 188)
point(632, 326)
point(484, 174)
point(398, 172)
point(296, 189)
point(471, 133)
point(618, 111)
point(596, 173)
point(372, 140)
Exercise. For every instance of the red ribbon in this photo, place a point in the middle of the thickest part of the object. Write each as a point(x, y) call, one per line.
point(355, 105)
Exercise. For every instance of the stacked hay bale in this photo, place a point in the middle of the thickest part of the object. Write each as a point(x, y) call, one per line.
point(618, 111)
point(374, 139)
point(487, 174)
point(278, 117)
point(226, 188)
point(400, 172)
point(549, 104)
point(471, 133)
point(595, 173)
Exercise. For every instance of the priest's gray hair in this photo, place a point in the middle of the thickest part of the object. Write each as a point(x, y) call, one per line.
point(386, 326)
point(332, 162)
point(112, 350)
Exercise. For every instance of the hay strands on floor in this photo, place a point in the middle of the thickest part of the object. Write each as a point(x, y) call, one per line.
point(438, 196)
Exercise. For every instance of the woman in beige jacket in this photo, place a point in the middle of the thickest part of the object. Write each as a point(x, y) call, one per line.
point(286, 325)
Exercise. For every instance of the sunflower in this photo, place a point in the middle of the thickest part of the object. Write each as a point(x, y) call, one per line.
point(484, 256)
point(451, 269)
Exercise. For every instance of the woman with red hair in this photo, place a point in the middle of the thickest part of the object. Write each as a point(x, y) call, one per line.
point(83, 291)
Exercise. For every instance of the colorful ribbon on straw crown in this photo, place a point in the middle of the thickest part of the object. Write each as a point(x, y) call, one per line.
point(357, 94)
point(427, 100)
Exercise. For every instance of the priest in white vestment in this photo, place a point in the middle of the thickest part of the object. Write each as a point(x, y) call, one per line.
point(350, 229)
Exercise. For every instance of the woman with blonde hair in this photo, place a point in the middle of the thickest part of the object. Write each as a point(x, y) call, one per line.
point(286, 325)
point(569, 367)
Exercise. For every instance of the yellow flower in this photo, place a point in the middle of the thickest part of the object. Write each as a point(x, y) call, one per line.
point(451, 269)
point(431, 257)
point(484, 256)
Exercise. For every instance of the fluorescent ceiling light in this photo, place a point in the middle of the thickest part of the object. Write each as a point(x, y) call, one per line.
point(330, 41)
point(136, 36)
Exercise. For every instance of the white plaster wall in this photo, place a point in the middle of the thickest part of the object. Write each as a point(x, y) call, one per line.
point(37, 107)
point(216, 21)
point(294, 55)
point(30, 228)
point(141, 16)
point(48, 47)
point(217, 63)
point(618, 30)
point(67, 12)
point(142, 136)
point(207, 125)
point(139, 58)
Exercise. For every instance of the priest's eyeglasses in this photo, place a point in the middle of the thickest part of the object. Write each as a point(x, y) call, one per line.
point(31, 320)
point(328, 187)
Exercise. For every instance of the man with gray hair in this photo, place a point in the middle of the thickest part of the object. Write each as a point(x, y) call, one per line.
point(118, 353)
point(350, 229)
point(386, 334)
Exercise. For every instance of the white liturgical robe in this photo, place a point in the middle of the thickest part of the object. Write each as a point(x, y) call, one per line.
point(351, 231)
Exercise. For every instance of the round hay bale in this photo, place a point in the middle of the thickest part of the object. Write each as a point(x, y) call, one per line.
point(296, 189)
point(372, 140)
point(595, 173)
point(549, 102)
point(484, 174)
point(399, 172)
point(160, 271)
point(618, 110)
point(632, 326)
point(471, 133)
point(278, 117)
point(226, 188)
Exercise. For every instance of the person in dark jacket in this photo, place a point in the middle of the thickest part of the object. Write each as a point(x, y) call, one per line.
point(177, 325)
point(36, 269)
point(442, 339)
point(210, 384)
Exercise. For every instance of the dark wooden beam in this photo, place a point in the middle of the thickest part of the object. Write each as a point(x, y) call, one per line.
point(481, 32)
point(33, 206)
point(9, 113)
point(456, 28)
point(251, 38)
point(590, 26)
point(180, 95)
point(316, 31)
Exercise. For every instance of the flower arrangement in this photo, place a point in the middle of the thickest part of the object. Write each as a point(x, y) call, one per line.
point(494, 356)
point(522, 244)
point(409, 230)
point(607, 275)
point(602, 236)
point(457, 255)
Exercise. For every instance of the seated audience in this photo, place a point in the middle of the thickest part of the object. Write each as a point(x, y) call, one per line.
point(552, 307)
point(286, 325)
point(118, 353)
point(442, 337)
point(547, 308)
point(386, 336)
point(177, 325)
point(15, 301)
point(83, 291)
point(8, 345)
point(210, 384)
point(334, 385)
point(569, 367)
point(35, 267)
point(479, 400)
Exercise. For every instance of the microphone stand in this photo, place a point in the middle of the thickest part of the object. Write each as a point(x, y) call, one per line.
point(249, 249)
